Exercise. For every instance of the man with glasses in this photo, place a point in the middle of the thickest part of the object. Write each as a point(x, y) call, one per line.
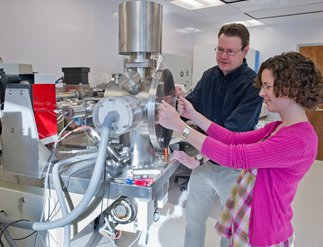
point(226, 95)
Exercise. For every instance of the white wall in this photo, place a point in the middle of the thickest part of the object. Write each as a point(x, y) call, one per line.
point(51, 34)
point(286, 37)
point(47, 34)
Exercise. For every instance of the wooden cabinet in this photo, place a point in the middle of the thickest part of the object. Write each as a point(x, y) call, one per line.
point(315, 52)
point(316, 119)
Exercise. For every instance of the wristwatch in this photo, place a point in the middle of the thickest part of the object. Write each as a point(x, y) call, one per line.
point(199, 158)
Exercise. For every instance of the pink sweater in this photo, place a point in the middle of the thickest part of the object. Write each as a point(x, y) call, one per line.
point(282, 161)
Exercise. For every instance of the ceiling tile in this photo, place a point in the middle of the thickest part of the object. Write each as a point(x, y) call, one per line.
point(267, 11)
point(287, 11)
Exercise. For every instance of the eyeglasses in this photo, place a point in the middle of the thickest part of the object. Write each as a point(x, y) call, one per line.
point(266, 87)
point(229, 52)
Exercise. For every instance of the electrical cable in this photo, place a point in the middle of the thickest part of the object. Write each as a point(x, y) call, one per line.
point(136, 239)
point(80, 166)
point(95, 202)
point(105, 234)
point(22, 238)
point(156, 215)
point(59, 190)
point(9, 239)
point(92, 187)
point(78, 151)
point(16, 223)
point(46, 183)
point(38, 236)
point(59, 136)
point(35, 240)
point(83, 128)
point(49, 235)
point(48, 164)
point(110, 118)
point(108, 196)
point(1, 243)
point(93, 184)
point(52, 214)
point(61, 79)
point(57, 243)
point(7, 225)
point(5, 228)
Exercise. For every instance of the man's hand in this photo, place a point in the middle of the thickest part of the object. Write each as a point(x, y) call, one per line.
point(179, 91)
point(185, 159)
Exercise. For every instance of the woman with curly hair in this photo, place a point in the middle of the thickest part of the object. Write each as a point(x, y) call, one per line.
point(274, 158)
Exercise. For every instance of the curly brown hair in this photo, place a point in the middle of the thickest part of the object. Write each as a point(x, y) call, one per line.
point(296, 77)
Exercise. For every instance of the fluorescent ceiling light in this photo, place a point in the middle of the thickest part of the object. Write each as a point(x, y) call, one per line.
point(197, 4)
point(250, 23)
point(188, 30)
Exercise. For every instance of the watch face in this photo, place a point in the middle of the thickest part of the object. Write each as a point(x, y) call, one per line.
point(199, 157)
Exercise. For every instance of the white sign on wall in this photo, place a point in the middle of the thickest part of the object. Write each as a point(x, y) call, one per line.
point(181, 68)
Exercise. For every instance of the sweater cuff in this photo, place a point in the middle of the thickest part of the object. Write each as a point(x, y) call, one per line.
point(206, 150)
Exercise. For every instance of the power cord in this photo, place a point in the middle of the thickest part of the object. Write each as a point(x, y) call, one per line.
point(6, 227)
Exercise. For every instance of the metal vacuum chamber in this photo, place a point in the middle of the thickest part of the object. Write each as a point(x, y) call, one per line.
point(137, 92)
point(138, 146)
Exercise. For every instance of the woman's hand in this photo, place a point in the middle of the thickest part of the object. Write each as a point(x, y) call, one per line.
point(185, 159)
point(169, 118)
point(185, 108)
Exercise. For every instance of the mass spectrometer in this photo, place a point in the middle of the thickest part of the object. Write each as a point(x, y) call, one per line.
point(108, 170)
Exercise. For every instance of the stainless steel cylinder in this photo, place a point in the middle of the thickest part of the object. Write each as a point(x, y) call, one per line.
point(70, 111)
point(140, 27)
point(131, 113)
point(130, 81)
point(73, 94)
